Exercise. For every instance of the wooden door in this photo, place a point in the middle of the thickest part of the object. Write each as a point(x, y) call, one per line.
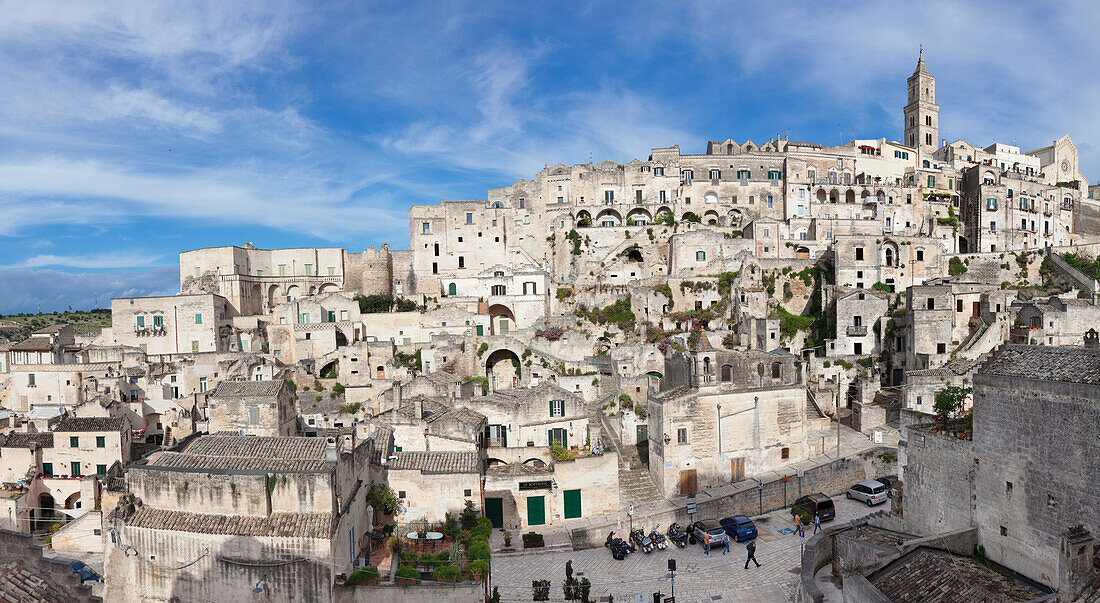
point(536, 511)
point(977, 309)
point(737, 469)
point(688, 483)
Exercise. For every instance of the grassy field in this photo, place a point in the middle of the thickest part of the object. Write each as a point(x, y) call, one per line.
point(84, 321)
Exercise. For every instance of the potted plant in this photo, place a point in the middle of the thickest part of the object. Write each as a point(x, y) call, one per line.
point(507, 539)
point(364, 575)
point(533, 540)
point(407, 575)
point(445, 573)
point(478, 568)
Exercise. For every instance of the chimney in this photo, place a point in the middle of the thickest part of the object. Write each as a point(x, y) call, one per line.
point(397, 395)
point(1092, 340)
point(419, 406)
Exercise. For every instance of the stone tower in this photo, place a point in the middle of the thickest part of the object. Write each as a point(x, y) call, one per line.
point(922, 114)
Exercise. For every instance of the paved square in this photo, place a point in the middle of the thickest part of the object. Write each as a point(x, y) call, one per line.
point(698, 578)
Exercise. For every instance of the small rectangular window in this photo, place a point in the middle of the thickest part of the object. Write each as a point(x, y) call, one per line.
point(426, 227)
point(100, 442)
point(198, 318)
point(557, 408)
point(700, 256)
point(254, 416)
point(74, 442)
point(682, 435)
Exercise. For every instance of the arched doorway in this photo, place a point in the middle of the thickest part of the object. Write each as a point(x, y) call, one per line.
point(73, 502)
point(293, 292)
point(502, 369)
point(452, 289)
point(272, 295)
point(501, 319)
point(330, 370)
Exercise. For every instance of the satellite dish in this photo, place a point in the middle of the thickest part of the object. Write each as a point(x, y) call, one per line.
point(131, 552)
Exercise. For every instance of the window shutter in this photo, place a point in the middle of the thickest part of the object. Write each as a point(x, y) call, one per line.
point(504, 435)
point(549, 437)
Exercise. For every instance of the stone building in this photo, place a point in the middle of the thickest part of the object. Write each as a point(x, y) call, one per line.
point(1057, 321)
point(1017, 481)
point(231, 512)
point(263, 408)
point(748, 413)
point(171, 324)
point(859, 328)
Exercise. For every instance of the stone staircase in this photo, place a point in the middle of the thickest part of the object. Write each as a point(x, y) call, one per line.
point(636, 487)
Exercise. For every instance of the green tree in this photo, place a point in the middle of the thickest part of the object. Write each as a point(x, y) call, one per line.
point(949, 401)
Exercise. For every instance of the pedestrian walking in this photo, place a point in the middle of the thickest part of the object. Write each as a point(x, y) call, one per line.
point(752, 554)
point(798, 525)
point(726, 541)
point(817, 523)
point(706, 544)
point(569, 570)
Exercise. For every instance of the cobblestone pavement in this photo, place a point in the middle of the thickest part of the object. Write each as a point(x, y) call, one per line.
point(698, 578)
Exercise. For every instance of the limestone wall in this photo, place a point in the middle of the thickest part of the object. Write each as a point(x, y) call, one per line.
point(938, 482)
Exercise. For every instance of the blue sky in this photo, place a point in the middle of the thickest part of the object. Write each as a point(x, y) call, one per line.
point(132, 131)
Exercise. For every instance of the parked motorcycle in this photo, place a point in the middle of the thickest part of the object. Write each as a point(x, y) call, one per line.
point(641, 541)
point(619, 548)
point(658, 538)
point(677, 535)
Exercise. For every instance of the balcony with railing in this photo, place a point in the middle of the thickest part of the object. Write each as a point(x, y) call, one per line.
point(856, 331)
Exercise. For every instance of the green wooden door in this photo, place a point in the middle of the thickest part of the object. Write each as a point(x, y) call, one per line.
point(494, 510)
point(536, 510)
point(480, 330)
point(572, 503)
point(643, 434)
point(452, 289)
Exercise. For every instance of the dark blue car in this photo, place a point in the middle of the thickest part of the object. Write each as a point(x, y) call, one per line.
point(739, 527)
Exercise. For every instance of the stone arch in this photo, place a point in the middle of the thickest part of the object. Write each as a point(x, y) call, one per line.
point(312, 290)
point(821, 195)
point(710, 197)
point(535, 462)
point(501, 319)
point(603, 344)
point(272, 293)
point(881, 196)
point(73, 501)
point(710, 217)
point(850, 196)
point(689, 216)
point(802, 253)
point(729, 149)
point(639, 216)
point(866, 193)
point(733, 218)
point(634, 254)
point(609, 217)
point(293, 292)
point(500, 369)
point(492, 462)
point(329, 288)
point(583, 218)
point(890, 257)
point(497, 205)
point(834, 196)
point(330, 370)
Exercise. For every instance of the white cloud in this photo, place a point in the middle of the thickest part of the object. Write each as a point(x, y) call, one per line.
point(27, 290)
point(100, 261)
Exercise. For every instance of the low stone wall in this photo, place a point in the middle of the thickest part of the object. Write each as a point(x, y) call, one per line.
point(818, 553)
point(16, 546)
point(858, 588)
point(459, 593)
point(831, 477)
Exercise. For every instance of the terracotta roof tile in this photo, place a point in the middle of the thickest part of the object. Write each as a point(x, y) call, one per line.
point(24, 440)
point(435, 462)
point(1064, 364)
point(285, 525)
point(90, 424)
point(250, 453)
point(248, 388)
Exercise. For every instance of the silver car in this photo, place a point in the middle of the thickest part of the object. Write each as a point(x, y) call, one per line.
point(869, 491)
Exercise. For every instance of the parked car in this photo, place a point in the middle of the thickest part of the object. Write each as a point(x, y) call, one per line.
point(891, 483)
point(817, 503)
point(707, 530)
point(739, 527)
point(869, 491)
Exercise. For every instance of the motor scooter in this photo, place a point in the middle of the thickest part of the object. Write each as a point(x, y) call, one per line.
point(641, 541)
point(677, 535)
point(619, 548)
point(658, 538)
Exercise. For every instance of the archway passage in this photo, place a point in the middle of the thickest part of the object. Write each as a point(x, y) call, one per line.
point(502, 369)
point(73, 502)
point(330, 370)
point(501, 319)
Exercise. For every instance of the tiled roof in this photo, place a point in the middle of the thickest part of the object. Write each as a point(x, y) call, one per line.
point(517, 469)
point(248, 388)
point(24, 440)
point(33, 344)
point(931, 576)
point(955, 366)
point(462, 415)
point(287, 525)
point(431, 407)
point(50, 329)
point(435, 462)
point(380, 442)
point(89, 424)
point(249, 453)
point(1065, 364)
point(19, 584)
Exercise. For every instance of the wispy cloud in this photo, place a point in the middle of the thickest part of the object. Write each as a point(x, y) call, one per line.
point(112, 260)
point(54, 290)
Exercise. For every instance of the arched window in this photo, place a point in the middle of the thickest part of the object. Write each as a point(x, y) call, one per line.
point(727, 372)
point(889, 257)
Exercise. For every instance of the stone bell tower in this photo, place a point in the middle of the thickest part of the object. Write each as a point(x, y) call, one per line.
point(922, 114)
